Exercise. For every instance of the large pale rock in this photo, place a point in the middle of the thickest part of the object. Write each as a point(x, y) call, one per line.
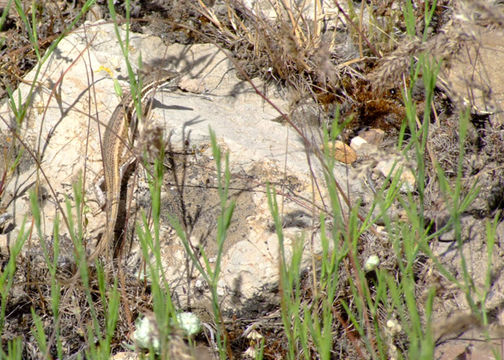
point(63, 127)
point(474, 77)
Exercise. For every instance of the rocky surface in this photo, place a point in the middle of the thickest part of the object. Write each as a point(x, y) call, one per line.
point(76, 93)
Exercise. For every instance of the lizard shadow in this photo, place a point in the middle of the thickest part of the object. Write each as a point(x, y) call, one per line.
point(156, 104)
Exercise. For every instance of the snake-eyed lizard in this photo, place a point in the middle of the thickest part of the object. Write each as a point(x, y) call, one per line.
point(115, 151)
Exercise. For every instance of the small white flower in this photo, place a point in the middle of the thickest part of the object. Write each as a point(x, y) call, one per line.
point(250, 353)
point(189, 322)
point(254, 335)
point(146, 335)
point(394, 326)
point(372, 263)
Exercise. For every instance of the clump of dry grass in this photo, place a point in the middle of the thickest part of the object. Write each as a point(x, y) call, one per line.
point(281, 44)
point(16, 53)
point(347, 56)
point(33, 290)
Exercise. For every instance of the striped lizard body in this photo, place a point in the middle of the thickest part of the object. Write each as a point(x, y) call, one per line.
point(115, 152)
